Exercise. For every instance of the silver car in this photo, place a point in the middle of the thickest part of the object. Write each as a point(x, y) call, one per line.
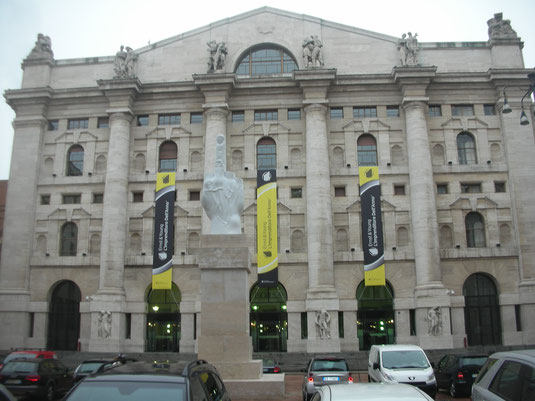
point(323, 371)
point(371, 392)
point(506, 376)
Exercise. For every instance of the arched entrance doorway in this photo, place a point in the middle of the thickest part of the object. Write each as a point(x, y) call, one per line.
point(375, 315)
point(481, 311)
point(163, 320)
point(269, 319)
point(64, 317)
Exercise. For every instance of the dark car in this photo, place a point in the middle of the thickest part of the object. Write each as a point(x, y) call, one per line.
point(322, 371)
point(88, 367)
point(5, 394)
point(40, 378)
point(28, 354)
point(270, 365)
point(142, 381)
point(456, 373)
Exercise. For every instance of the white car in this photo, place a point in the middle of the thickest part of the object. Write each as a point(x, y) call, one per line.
point(506, 376)
point(369, 392)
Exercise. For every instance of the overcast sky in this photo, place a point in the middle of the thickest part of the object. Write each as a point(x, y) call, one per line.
point(88, 28)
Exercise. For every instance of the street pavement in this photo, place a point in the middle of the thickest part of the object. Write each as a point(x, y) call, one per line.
point(293, 382)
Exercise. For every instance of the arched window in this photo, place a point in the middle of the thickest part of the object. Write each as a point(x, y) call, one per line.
point(266, 60)
point(168, 156)
point(75, 160)
point(437, 158)
point(94, 245)
point(237, 160)
point(296, 160)
point(49, 166)
point(466, 148)
point(195, 161)
point(341, 240)
point(100, 164)
point(69, 239)
point(297, 241)
point(496, 153)
point(446, 240)
point(266, 154)
point(338, 157)
point(402, 237)
point(139, 163)
point(475, 230)
point(367, 151)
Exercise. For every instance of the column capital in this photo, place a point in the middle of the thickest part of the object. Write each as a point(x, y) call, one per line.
point(315, 84)
point(121, 93)
point(413, 81)
point(216, 88)
point(29, 102)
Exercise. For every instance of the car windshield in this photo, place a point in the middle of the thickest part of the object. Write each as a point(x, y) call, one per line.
point(404, 360)
point(25, 355)
point(475, 360)
point(323, 365)
point(19, 367)
point(269, 362)
point(89, 367)
point(127, 391)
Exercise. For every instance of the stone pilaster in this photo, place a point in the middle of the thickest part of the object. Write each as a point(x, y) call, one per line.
point(30, 107)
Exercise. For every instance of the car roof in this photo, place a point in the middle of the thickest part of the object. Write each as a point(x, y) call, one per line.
point(397, 347)
point(527, 355)
point(374, 392)
point(156, 377)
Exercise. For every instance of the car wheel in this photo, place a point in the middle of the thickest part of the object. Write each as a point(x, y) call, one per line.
point(49, 394)
point(453, 390)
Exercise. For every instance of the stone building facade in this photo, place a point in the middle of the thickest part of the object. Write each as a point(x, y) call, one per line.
point(313, 99)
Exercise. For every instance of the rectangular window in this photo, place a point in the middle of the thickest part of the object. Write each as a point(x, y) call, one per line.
point(296, 193)
point(489, 109)
point(294, 114)
point(518, 318)
point(128, 325)
point(470, 188)
point(53, 125)
point(442, 189)
point(435, 110)
point(339, 192)
point(31, 326)
point(137, 197)
point(45, 199)
point(195, 118)
point(80, 123)
point(168, 119)
point(194, 195)
point(98, 198)
point(103, 122)
point(336, 112)
point(238, 116)
point(399, 189)
point(462, 110)
point(304, 326)
point(392, 111)
point(361, 112)
point(266, 115)
point(412, 321)
point(142, 121)
point(341, 324)
point(71, 199)
point(499, 186)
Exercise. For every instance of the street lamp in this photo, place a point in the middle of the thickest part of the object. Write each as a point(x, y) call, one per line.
point(507, 109)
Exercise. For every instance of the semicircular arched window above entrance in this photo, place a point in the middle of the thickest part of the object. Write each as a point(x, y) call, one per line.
point(375, 315)
point(269, 319)
point(266, 60)
point(163, 320)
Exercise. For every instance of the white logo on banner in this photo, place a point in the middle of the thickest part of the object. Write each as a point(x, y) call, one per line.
point(162, 255)
point(373, 251)
point(266, 176)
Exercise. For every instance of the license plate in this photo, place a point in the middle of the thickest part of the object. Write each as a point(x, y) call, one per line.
point(12, 381)
point(331, 379)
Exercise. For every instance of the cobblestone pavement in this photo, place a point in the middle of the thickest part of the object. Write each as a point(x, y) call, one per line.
point(293, 381)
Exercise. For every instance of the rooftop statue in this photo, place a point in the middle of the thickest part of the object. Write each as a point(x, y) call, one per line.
point(500, 28)
point(42, 48)
point(408, 50)
point(313, 52)
point(124, 63)
point(217, 55)
point(222, 195)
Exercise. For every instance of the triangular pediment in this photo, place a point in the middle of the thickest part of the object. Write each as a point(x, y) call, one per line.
point(266, 128)
point(464, 123)
point(75, 136)
point(168, 132)
point(366, 125)
point(474, 204)
point(69, 214)
point(179, 212)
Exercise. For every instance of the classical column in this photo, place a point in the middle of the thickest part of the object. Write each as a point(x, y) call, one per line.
point(19, 226)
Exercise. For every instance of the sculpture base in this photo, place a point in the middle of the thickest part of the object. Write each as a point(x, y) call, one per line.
point(268, 387)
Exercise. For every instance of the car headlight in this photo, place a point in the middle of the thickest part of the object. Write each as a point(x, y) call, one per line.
point(431, 377)
point(389, 377)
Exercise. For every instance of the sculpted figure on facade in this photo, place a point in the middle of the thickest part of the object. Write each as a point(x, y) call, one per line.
point(42, 48)
point(217, 53)
point(312, 52)
point(104, 324)
point(323, 323)
point(124, 63)
point(434, 320)
point(408, 50)
point(222, 195)
point(500, 28)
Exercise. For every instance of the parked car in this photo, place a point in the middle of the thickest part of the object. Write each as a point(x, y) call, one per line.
point(28, 354)
point(40, 378)
point(402, 364)
point(456, 373)
point(270, 365)
point(322, 371)
point(370, 392)
point(5, 394)
point(141, 381)
point(506, 376)
point(88, 367)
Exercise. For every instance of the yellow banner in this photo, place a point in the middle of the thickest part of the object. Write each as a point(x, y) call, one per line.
point(266, 210)
point(162, 272)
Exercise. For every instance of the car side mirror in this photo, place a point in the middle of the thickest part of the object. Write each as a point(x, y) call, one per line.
point(375, 366)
